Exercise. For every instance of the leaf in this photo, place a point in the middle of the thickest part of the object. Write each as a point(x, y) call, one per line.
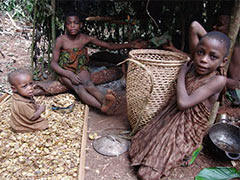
point(195, 154)
point(217, 173)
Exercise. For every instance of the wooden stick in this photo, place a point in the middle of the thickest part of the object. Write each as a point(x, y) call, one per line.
point(233, 30)
point(81, 171)
point(2, 54)
point(108, 19)
point(53, 4)
point(12, 21)
point(148, 13)
point(98, 18)
point(33, 33)
point(213, 114)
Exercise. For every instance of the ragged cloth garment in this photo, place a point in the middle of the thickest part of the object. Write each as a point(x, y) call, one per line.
point(171, 136)
point(74, 59)
point(22, 110)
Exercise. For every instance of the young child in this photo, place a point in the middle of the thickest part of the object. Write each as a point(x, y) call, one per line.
point(69, 62)
point(178, 129)
point(196, 31)
point(25, 113)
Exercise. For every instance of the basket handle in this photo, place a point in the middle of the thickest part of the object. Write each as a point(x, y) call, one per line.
point(142, 66)
point(150, 92)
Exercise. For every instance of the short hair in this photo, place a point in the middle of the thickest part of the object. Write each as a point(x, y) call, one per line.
point(74, 13)
point(12, 75)
point(221, 37)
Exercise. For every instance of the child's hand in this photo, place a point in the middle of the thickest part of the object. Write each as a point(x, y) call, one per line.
point(42, 108)
point(169, 46)
point(39, 111)
point(75, 78)
point(138, 44)
point(186, 66)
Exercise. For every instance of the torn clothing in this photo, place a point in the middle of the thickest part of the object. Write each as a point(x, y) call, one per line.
point(22, 111)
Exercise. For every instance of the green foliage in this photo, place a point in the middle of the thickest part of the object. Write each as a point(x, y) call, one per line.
point(218, 173)
point(172, 17)
point(195, 154)
point(20, 9)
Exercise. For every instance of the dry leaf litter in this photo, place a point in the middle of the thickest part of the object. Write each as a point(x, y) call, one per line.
point(50, 154)
point(15, 48)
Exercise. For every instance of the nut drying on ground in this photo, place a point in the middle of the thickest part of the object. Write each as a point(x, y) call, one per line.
point(50, 154)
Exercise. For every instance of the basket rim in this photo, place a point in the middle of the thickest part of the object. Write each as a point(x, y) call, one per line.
point(161, 63)
point(157, 51)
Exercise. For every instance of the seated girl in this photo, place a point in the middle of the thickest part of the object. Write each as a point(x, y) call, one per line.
point(178, 129)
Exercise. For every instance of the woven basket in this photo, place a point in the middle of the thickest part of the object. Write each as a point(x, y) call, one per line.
point(151, 81)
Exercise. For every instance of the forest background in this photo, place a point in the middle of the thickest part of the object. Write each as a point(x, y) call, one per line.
point(112, 20)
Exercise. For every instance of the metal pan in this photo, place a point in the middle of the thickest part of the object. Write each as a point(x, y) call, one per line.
point(226, 137)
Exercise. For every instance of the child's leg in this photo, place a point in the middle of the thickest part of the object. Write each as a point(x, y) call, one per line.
point(90, 87)
point(106, 101)
point(82, 93)
point(109, 101)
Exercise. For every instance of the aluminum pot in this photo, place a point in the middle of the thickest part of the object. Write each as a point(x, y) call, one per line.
point(226, 136)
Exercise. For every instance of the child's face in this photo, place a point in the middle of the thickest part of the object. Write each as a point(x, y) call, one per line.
point(209, 55)
point(23, 85)
point(222, 24)
point(73, 25)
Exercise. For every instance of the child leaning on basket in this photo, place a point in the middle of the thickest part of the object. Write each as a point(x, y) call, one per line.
point(233, 82)
point(70, 63)
point(25, 113)
point(178, 129)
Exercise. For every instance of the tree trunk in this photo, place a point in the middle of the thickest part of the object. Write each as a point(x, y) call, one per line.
point(233, 29)
point(33, 33)
point(53, 4)
point(233, 32)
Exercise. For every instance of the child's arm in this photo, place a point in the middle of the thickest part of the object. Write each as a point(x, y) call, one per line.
point(39, 111)
point(170, 47)
point(185, 100)
point(113, 46)
point(55, 66)
point(196, 31)
point(233, 70)
point(232, 84)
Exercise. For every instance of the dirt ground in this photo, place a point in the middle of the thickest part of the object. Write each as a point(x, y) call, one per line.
point(105, 167)
point(118, 168)
point(16, 53)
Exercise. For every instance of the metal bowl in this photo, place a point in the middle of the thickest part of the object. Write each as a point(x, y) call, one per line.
point(226, 137)
point(111, 145)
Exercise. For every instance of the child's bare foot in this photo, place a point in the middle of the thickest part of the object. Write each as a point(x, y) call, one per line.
point(108, 101)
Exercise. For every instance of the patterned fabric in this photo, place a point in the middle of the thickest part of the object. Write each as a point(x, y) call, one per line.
point(171, 136)
point(74, 59)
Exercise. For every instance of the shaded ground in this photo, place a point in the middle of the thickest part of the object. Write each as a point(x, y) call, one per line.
point(111, 168)
point(105, 167)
